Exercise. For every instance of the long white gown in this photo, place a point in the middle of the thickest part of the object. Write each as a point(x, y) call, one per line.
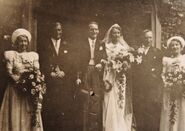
point(179, 124)
point(16, 109)
point(114, 117)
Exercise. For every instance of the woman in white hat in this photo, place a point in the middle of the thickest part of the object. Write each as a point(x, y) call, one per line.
point(16, 110)
point(173, 103)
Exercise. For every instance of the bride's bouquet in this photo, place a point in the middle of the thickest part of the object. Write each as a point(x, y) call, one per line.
point(32, 83)
point(119, 63)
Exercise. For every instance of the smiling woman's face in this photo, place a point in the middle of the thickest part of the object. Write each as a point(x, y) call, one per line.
point(22, 43)
point(115, 34)
point(175, 47)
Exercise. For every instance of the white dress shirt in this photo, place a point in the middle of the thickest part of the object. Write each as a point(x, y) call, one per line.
point(146, 50)
point(92, 47)
point(56, 44)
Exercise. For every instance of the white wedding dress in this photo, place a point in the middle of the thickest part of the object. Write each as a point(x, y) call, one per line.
point(114, 117)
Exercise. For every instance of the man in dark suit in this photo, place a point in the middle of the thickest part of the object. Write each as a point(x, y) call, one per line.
point(55, 59)
point(146, 86)
point(90, 70)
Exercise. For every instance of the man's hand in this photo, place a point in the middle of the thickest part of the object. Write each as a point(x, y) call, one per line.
point(53, 75)
point(78, 81)
point(99, 67)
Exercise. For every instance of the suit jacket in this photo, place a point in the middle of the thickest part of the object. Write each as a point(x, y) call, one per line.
point(147, 76)
point(59, 94)
point(84, 55)
point(49, 59)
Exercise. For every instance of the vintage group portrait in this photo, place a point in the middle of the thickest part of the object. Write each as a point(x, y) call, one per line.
point(92, 65)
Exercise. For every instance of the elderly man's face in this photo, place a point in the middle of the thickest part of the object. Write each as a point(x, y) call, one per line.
point(57, 31)
point(148, 38)
point(93, 31)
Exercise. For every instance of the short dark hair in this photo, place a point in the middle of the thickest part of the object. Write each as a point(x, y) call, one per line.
point(54, 24)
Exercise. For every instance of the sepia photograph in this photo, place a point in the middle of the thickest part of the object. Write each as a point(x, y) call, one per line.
point(92, 65)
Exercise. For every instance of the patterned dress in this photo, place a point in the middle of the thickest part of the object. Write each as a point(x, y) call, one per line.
point(173, 115)
point(16, 109)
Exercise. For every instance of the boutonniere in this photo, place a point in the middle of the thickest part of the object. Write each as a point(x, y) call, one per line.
point(101, 48)
point(139, 56)
point(138, 59)
point(153, 69)
point(65, 51)
point(141, 50)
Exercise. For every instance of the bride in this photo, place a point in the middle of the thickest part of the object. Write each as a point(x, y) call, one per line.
point(117, 106)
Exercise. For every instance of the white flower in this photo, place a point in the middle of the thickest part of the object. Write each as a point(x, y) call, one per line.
point(138, 59)
point(101, 48)
point(38, 80)
point(180, 76)
point(23, 81)
point(38, 72)
point(65, 51)
point(174, 79)
point(153, 69)
point(24, 89)
point(33, 84)
point(31, 76)
point(33, 91)
point(141, 50)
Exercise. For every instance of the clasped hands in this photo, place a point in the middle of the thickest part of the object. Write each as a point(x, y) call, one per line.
point(98, 67)
point(57, 73)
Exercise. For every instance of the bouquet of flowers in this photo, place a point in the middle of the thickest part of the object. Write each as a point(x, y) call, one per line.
point(174, 82)
point(139, 55)
point(32, 83)
point(120, 63)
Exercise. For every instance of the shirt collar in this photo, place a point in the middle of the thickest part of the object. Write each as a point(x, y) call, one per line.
point(90, 40)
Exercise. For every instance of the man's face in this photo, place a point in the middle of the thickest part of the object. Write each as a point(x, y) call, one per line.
point(148, 37)
point(93, 31)
point(57, 31)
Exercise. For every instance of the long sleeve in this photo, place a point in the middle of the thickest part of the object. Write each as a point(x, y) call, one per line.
point(14, 74)
point(36, 64)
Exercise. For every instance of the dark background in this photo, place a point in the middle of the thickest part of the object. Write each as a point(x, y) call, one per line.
point(132, 15)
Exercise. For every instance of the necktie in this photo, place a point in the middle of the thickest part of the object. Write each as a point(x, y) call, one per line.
point(56, 46)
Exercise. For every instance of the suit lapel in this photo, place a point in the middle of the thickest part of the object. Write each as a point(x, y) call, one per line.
point(96, 48)
point(52, 48)
point(150, 52)
point(146, 58)
point(61, 48)
point(87, 46)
